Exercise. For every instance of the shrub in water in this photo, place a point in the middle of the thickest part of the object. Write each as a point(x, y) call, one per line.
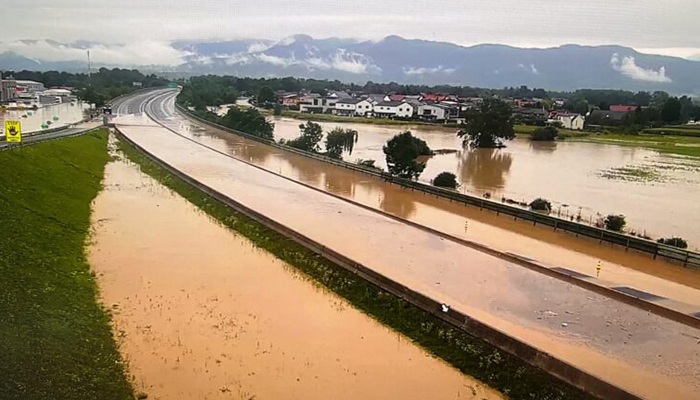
point(540, 204)
point(615, 222)
point(445, 179)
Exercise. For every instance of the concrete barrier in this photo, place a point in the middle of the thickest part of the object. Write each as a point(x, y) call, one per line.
point(529, 354)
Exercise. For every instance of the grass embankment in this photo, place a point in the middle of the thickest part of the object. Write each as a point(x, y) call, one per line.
point(357, 120)
point(682, 145)
point(470, 355)
point(526, 130)
point(55, 339)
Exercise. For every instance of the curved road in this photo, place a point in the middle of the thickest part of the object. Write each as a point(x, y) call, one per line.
point(641, 352)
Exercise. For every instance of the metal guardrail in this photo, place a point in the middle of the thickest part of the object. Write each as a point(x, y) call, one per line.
point(556, 367)
point(685, 257)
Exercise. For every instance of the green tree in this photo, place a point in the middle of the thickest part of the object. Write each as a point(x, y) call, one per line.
point(266, 96)
point(92, 96)
point(674, 241)
point(671, 110)
point(545, 133)
point(489, 125)
point(446, 179)
point(615, 222)
point(277, 110)
point(249, 121)
point(310, 134)
point(401, 152)
point(540, 204)
point(339, 140)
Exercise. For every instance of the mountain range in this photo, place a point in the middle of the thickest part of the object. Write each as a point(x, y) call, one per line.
point(393, 58)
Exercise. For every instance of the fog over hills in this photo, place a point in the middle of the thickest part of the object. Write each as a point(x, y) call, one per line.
point(393, 58)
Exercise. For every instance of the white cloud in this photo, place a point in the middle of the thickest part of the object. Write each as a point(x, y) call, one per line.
point(427, 70)
point(628, 67)
point(274, 60)
point(147, 52)
point(258, 47)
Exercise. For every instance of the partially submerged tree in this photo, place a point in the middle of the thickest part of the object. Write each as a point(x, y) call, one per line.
point(545, 134)
point(674, 241)
point(446, 179)
point(615, 222)
point(489, 125)
point(339, 140)
point(540, 204)
point(310, 134)
point(249, 121)
point(401, 152)
point(266, 96)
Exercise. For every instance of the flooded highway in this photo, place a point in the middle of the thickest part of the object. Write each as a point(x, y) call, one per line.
point(559, 249)
point(59, 115)
point(641, 352)
point(655, 191)
point(201, 313)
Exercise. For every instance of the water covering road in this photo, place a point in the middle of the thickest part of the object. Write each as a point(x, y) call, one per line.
point(214, 323)
point(644, 353)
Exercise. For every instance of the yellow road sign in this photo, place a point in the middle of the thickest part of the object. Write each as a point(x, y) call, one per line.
point(13, 131)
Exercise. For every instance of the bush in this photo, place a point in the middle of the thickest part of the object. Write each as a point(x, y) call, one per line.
point(446, 179)
point(547, 133)
point(367, 164)
point(674, 241)
point(540, 204)
point(278, 110)
point(615, 222)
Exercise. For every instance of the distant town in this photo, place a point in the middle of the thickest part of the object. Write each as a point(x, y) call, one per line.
point(19, 93)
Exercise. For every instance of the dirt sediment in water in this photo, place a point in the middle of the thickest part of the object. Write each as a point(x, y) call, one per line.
point(201, 313)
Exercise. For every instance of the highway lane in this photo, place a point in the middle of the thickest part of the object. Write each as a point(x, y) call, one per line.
point(643, 353)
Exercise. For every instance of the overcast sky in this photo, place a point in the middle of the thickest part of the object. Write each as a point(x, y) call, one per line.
point(145, 27)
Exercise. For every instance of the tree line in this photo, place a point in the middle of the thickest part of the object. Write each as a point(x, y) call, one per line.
point(101, 86)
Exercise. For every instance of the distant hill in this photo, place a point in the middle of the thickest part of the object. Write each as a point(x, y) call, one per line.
point(393, 58)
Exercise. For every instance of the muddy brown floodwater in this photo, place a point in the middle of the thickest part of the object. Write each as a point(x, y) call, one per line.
point(201, 313)
point(657, 192)
point(67, 114)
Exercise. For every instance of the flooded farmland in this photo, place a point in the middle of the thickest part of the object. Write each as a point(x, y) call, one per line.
point(201, 313)
point(655, 191)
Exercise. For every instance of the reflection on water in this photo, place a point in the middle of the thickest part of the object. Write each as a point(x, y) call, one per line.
point(595, 178)
point(484, 169)
point(58, 114)
point(543, 147)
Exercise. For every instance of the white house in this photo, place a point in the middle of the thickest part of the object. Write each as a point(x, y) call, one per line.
point(571, 121)
point(431, 112)
point(353, 107)
point(394, 109)
point(317, 104)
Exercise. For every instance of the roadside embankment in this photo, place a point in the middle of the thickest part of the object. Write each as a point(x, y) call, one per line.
point(56, 338)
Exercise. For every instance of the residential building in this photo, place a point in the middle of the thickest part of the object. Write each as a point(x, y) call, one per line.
point(621, 108)
point(393, 109)
point(607, 117)
point(289, 99)
point(377, 98)
point(353, 107)
point(531, 115)
point(317, 105)
point(337, 94)
point(439, 112)
point(571, 120)
point(435, 97)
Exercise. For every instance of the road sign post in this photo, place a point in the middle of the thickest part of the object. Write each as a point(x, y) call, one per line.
point(13, 131)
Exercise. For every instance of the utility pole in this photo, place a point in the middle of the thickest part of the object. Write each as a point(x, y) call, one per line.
point(89, 69)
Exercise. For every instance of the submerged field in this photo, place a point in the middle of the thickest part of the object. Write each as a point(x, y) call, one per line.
point(56, 338)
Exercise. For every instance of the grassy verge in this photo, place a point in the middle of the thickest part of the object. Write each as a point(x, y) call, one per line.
point(55, 339)
point(470, 355)
point(682, 145)
point(358, 120)
point(526, 130)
